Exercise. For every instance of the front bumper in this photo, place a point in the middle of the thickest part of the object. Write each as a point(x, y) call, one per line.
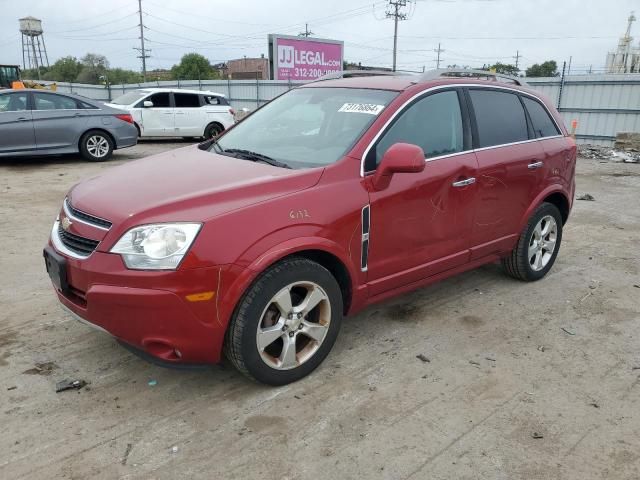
point(148, 310)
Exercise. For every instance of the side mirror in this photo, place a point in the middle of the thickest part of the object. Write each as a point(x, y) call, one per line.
point(147, 104)
point(399, 158)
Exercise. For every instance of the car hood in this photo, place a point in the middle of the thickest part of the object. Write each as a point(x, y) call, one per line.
point(186, 184)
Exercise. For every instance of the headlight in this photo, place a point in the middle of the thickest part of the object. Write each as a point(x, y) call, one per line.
point(156, 247)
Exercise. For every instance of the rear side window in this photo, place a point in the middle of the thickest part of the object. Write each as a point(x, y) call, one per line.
point(13, 102)
point(213, 100)
point(499, 116)
point(45, 101)
point(186, 100)
point(434, 123)
point(543, 124)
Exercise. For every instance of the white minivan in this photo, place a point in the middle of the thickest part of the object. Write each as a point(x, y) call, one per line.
point(172, 112)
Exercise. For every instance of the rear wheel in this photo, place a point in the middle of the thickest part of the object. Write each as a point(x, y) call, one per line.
point(537, 246)
point(96, 146)
point(286, 323)
point(213, 130)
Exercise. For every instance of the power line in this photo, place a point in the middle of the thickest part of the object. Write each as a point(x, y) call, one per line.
point(394, 12)
point(143, 53)
point(307, 33)
point(439, 50)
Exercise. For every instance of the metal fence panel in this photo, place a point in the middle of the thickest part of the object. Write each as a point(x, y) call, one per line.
point(603, 105)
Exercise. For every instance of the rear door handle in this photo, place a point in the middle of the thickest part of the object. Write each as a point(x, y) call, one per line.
point(533, 166)
point(464, 183)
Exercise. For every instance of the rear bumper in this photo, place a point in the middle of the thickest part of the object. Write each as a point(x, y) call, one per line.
point(125, 135)
point(147, 310)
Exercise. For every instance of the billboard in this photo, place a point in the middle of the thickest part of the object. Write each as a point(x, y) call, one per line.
point(303, 58)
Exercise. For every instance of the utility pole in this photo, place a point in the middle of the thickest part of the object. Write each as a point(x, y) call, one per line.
point(438, 51)
point(394, 12)
point(517, 58)
point(143, 53)
point(307, 32)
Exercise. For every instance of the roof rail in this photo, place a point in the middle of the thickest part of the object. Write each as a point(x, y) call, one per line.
point(469, 73)
point(356, 73)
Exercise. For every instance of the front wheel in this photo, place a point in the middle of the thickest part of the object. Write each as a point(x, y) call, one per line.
point(96, 146)
point(213, 130)
point(286, 323)
point(538, 245)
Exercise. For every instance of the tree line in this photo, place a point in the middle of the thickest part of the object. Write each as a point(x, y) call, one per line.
point(95, 69)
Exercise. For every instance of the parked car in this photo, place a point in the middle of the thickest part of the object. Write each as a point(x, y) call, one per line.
point(35, 122)
point(172, 112)
point(334, 196)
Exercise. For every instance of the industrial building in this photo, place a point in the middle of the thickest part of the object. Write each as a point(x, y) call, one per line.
point(626, 59)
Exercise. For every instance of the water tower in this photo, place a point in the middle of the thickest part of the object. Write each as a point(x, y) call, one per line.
point(33, 44)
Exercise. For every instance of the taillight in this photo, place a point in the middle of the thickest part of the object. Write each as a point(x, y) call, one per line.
point(125, 117)
point(232, 111)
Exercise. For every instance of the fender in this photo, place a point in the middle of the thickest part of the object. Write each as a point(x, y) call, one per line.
point(556, 188)
point(243, 277)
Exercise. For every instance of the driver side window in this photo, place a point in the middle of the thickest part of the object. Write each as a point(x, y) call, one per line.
point(434, 123)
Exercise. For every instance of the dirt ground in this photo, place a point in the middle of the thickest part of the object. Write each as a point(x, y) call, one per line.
point(507, 362)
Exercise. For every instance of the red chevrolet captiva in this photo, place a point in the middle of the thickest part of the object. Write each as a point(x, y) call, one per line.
point(338, 194)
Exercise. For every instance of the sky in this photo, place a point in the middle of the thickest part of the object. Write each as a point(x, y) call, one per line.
point(470, 32)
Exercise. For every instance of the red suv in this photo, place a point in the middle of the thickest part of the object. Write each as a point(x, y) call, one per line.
point(333, 196)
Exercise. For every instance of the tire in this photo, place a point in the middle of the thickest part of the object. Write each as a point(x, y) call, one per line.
point(538, 245)
point(213, 130)
point(96, 146)
point(262, 316)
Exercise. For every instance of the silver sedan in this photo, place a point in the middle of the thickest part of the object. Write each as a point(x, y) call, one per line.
point(37, 122)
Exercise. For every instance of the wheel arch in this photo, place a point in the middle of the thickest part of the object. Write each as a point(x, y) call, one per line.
point(323, 251)
point(561, 202)
point(214, 122)
point(555, 195)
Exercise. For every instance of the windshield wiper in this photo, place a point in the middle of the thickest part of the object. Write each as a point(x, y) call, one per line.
point(256, 157)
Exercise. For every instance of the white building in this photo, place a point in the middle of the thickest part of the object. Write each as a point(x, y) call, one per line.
point(627, 58)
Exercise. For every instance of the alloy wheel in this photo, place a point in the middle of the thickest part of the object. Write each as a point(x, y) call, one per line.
point(97, 146)
point(542, 243)
point(293, 325)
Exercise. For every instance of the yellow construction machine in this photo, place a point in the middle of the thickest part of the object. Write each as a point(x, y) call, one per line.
point(10, 78)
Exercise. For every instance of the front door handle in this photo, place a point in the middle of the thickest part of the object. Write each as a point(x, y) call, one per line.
point(23, 119)
point(533, 166)
point(464, 183)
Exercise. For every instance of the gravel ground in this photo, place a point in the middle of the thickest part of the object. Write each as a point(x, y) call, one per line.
point(518, 381)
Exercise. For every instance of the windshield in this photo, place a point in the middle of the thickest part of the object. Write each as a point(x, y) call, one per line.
point(308, 127)
point(129, 98)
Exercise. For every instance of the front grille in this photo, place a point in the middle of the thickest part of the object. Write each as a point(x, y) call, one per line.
point(93, 220)
point(76, 243)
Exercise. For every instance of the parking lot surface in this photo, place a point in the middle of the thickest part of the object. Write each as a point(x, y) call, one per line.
point(515, 380)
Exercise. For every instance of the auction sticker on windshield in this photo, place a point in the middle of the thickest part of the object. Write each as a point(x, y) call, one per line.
point(361, 108)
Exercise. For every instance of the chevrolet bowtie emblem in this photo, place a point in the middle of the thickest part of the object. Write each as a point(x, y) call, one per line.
point(66, 223)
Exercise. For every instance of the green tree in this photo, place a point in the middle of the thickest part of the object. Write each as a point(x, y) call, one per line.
point(505, 68)
point(118, 76)
point(65, 69)
point(193, 66)
point(94, 66)
point(546, 69)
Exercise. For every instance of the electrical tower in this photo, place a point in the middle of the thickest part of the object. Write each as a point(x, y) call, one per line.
point(144, 53)
point(307, 32)
point(517, 58)
point(394, 11)
point(33, 44)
